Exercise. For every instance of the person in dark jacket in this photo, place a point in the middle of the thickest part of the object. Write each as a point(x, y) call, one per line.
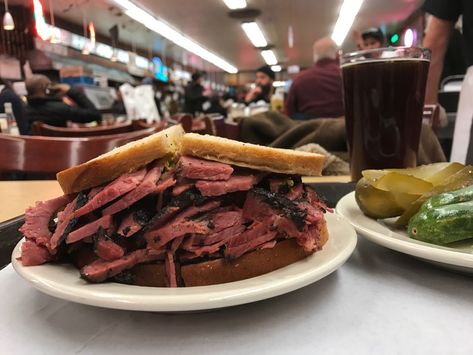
point(9, 95)
point(194, 95)
point(45, 103)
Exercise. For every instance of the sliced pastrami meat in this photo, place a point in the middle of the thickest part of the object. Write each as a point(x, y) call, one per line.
point(180, 225)
point(165, 184)
point(101, 270)
point(218, 240)
point(106, 248)
point(250, 239)
point(279, 205)
point(33, 254)
point(112, 191)
point(105, 222)
point(170, 266)
point(134, 222)
point(146, 187)
point(37, 219)
point(199, 169)
point(295, 192)
point(129, 226)
point(66, 221)
point(233, 184)
point(268, 245)
point(182, 187)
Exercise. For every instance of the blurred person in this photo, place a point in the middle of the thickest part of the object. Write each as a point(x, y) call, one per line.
point(317, 91)
point(216, 106)
point(371, 38)
point(444, 15)
point(7, 94)
point(194, 95)
point(45, 103)
point(263, 89)
point(118, 107)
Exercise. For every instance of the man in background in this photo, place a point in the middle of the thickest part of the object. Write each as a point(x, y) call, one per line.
point(371, 38)
point(7, 94)
point(45, 103)
point(194, 95)
point(317, 92)
point(263, 89)
point(445, 13)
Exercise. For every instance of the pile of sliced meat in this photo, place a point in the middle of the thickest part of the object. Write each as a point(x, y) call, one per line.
point(195, 211)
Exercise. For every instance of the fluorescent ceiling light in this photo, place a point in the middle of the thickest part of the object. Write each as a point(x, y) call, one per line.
point(276, 68)
point(347, 15)
point(269, 57)
point(254, 33)
point(163, 29)
point(235, 4)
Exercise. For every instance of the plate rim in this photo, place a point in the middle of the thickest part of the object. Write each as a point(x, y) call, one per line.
point(423, 250)
point(173, 299)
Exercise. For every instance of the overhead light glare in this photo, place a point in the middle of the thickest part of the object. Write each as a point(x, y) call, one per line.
point(409, 37)
point(276, 68)
point(8, 23)
point(254, 33)
point(279, 84)
point(166, 31)
point(269, 57)
point(235, 4)
point(348, 12)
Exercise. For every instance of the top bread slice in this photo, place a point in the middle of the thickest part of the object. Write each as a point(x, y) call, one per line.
point(121, 160)
point(284, 161)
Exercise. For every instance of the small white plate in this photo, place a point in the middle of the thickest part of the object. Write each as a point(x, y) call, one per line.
point(63, 281)
point(382, 232)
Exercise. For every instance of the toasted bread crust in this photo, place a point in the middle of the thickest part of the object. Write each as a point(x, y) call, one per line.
point(121, 160)
point(285, 161)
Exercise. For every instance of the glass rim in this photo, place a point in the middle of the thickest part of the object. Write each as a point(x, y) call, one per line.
point(425, 53)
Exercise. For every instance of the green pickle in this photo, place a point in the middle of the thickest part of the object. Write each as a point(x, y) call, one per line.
point(444, 218)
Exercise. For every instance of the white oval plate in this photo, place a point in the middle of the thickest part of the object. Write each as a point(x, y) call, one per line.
point(459, 258)
point(63, 281)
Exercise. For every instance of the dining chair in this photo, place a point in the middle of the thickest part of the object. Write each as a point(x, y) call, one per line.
point(43, 129)
point(29, 157)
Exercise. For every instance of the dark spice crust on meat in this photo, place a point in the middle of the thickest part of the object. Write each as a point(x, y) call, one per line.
point(283, 204)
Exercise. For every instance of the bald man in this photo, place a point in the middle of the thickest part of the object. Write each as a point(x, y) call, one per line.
point(45, 103)
point(317, 91)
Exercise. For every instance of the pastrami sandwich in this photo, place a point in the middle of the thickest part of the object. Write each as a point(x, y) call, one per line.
point(180, 210)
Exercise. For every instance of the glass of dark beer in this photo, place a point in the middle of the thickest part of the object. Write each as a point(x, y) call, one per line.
point(384, 97)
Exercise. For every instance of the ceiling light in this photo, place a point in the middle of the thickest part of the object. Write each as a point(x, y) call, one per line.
point(235, 4)
point(347, 15)
point(269, 57)
point(276, 68)
point(8, 23)
point(163, 29)
point(254, 33)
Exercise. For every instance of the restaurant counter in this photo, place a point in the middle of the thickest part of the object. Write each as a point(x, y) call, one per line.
point(378, 302)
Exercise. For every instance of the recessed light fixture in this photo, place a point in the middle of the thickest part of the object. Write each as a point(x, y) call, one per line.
point(269, 57)
point(276, 68)
point(163, 29)
point(235, 4)
point(348, 12)
point(254, 33)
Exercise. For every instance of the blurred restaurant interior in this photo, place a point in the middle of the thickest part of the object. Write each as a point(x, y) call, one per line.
point(371, 85)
